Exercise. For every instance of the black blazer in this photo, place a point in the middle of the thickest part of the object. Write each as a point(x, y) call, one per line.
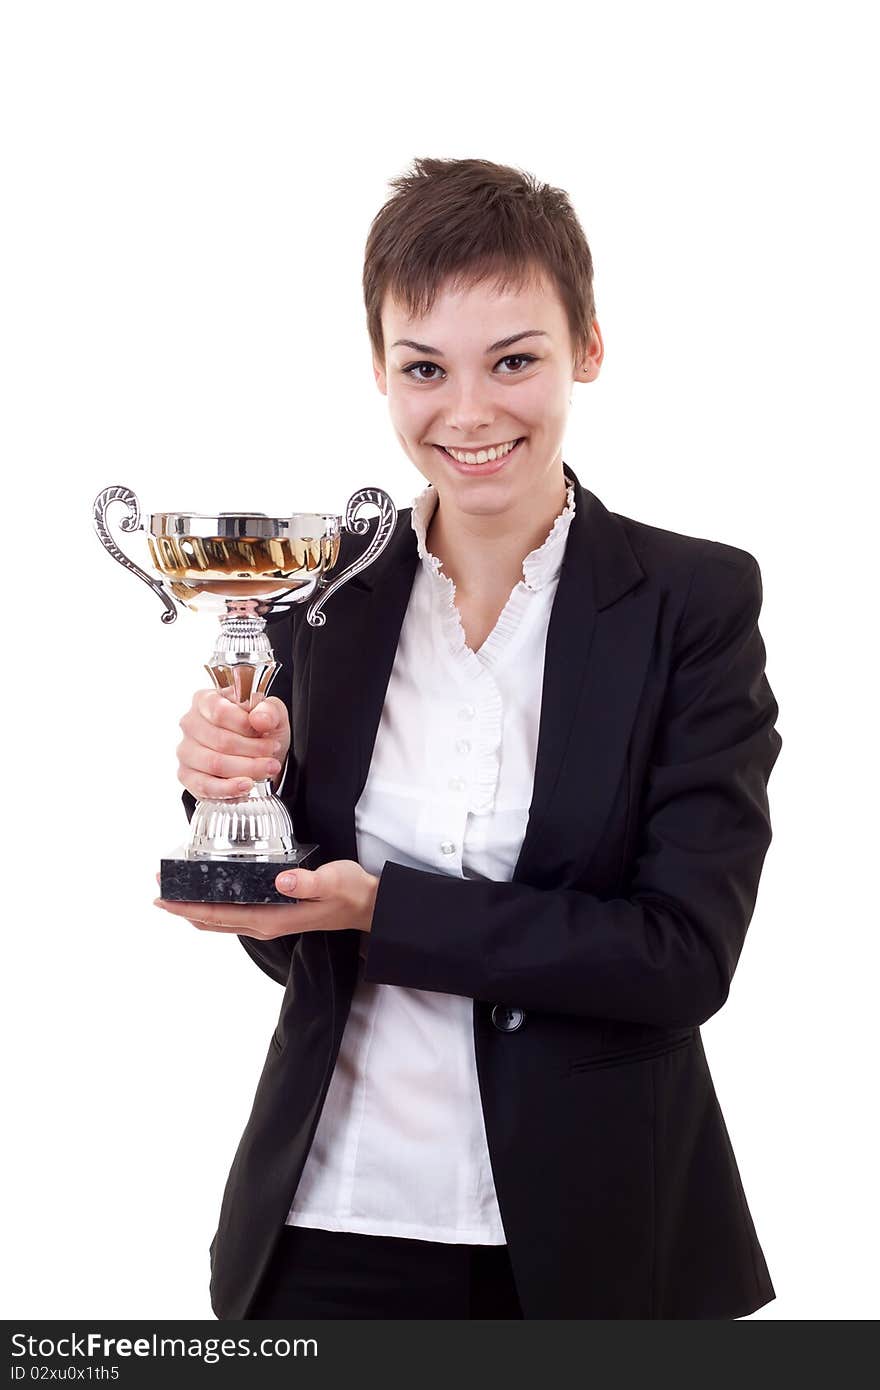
point(593, 969)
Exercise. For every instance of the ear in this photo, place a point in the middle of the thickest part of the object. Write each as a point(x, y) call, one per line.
point(380, 375)
point(587, 368)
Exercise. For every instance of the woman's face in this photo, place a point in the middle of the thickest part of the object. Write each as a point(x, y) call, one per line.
point(456, 379)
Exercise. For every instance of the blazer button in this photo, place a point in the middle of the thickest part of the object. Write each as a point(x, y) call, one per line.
point(507, 1019)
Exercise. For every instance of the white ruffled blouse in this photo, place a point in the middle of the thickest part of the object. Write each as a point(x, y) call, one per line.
point(400, 1148)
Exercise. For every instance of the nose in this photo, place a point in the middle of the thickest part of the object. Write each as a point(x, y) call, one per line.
point(468, 413)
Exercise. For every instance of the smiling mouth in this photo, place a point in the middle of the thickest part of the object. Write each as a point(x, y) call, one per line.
point(476, 457)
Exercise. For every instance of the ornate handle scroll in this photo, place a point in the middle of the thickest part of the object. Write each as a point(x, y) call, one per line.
point(130, 522)
point(387, 522)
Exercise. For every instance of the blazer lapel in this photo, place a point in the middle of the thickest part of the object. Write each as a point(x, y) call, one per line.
point(352, 657)
point(599, 644)
point(380, 633)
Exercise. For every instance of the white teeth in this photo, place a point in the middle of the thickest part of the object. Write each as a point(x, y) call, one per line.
point(484, 455)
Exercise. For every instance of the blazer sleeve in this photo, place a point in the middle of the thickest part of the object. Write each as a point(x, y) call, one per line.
point(666, 952)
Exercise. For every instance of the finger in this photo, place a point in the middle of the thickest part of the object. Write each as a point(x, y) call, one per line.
point(248, 745)
point(270, 715)
point(324, 882)
point(218, 709)
point(211, 926)
point(200, 759)
point(245, 919)
point(217, 916)
point(205, 788)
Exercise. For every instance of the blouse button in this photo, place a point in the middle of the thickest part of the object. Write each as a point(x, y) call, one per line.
point(463, 746)
point(447, 847)
point(457, 784)
point(467, 712)
point(507, 1019)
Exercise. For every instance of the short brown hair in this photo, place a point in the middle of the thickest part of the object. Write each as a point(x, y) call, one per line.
point(467, 221)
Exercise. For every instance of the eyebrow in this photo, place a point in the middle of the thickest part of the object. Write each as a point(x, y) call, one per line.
point(493, 347)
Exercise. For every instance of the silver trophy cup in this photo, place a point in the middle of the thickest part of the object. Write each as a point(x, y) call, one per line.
point(243, 567)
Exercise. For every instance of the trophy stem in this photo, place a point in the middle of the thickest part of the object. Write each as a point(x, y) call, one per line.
point(242, 664)
point(256, 825)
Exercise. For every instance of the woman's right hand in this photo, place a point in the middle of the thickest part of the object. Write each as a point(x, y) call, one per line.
point(225, 748)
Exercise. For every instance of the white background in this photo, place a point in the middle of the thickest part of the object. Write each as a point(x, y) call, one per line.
point(188, 188)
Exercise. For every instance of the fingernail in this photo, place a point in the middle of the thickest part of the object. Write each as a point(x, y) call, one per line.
point(274, 765)
point(285, 882)
point(244, 785)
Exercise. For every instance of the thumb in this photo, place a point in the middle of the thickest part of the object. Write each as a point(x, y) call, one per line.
point(269, 714)
point(298, 883)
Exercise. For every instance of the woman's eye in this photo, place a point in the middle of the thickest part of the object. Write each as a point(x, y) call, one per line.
point(524, 357)
point(416, 368)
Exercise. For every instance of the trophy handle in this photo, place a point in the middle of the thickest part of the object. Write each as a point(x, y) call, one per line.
point(387, 521)
point(130, 522)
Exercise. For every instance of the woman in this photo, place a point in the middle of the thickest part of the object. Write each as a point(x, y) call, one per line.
point(533, 745)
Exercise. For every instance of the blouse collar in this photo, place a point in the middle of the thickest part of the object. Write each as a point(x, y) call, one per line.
point(540, 566)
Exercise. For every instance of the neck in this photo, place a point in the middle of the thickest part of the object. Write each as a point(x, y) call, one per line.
point(483, 555)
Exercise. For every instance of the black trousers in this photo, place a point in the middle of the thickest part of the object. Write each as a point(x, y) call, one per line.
point(343, 1274)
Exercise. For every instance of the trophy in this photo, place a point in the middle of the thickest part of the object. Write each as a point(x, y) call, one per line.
point(244, 567)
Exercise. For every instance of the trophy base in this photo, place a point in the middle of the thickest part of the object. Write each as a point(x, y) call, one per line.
point(226, 880)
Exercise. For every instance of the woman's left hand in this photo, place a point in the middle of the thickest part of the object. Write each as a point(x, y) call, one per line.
point(337, 896)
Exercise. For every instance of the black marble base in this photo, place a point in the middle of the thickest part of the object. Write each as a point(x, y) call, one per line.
point(226, 881)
